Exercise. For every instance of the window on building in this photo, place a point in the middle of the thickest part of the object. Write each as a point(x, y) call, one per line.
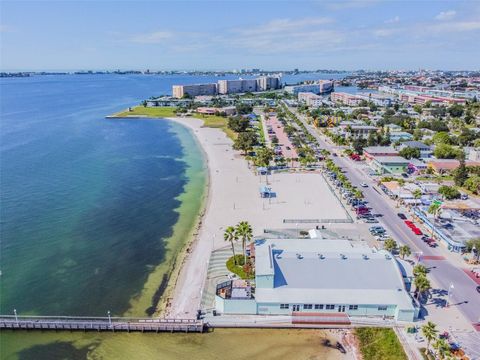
point(283, 306)
point(382, 308)
point(318, 306)
point(330, 307)
point(307, 306)
point(353, 307)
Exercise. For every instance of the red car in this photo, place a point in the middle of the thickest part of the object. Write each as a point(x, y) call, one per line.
point(409, 224)
point(417, 231)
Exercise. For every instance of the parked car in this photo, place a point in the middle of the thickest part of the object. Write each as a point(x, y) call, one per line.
point(371, 221)
point(478, 288)
point(363, 185)
point(417, 231)
point(402, 216)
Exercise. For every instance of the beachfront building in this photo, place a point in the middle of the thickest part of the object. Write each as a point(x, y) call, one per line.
point(393, 165)
point(317, 87)
point(236, 86)
point(265, 83)
point(168, 101)
point(320, 277)
point(179, 91)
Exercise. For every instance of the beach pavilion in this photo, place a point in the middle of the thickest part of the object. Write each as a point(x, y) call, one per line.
point(319, 276)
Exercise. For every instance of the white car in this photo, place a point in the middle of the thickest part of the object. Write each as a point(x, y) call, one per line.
point(363, 185)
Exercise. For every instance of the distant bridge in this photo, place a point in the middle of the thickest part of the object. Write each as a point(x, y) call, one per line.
point(112, 324)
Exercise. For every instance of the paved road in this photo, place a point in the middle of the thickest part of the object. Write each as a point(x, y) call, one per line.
point(464, 294)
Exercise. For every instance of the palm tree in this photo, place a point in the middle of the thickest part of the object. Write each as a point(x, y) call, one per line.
point(442, 348)
point(422, 284)
point(417, 193)
point(231, 236)
point(390, 245)
point(435, 210)
point(404, 251)
point(245, 232)
point(429, 330)
point(419, 270)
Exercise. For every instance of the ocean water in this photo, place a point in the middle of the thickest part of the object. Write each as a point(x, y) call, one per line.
point(92, 211)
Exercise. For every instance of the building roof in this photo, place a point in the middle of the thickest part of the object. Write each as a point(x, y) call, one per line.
point(391, 160)
point(380, 150)
point(415, 144)
point(330, 271)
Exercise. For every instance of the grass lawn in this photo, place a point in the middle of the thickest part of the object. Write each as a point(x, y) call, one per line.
point(238, 269)
point(379, 344)
point(212, 121)
point(149, 111)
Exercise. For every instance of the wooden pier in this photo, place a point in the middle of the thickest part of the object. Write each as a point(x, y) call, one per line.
point(113, 324)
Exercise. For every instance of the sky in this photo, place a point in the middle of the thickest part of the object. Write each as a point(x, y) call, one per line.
point(227, 35)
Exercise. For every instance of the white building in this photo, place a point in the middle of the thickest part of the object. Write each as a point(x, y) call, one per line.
point(295, 276)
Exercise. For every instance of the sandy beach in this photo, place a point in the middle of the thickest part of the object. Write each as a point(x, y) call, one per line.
point(233, 196)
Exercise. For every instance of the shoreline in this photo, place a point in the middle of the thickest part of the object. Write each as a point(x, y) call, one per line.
point(160, 284)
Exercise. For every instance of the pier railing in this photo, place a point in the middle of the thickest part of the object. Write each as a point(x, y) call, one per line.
point(72, 323)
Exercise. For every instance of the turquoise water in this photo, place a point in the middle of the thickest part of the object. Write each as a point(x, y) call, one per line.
point(93, 211)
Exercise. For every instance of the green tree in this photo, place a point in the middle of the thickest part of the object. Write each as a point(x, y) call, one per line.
point(456, 110)
point(473, 184)
point(231, 236)
point(417, 108)
point(263, 157)
point(245, 233)
point(460, 174)
point(419, 270)
point(410, 152)
point(244, 108)
point(445, 151)
point(245, 141)
point(390, 245)
point(442, 348)
point(238, 124)
point(449, 192)
point(422, 285)
point(417, 193)
point(372, 139)
point(442, 137)
point(404, 250)
point(429, 330)
point(434, 209)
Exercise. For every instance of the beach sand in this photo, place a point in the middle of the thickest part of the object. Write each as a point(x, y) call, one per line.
point(233, 196)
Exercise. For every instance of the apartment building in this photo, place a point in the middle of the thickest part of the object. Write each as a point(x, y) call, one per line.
point(179, 91)
point(344, 98)
point(236, 86)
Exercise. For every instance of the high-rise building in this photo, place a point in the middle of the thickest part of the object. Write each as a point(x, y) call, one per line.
point(236, 86)
point(179, 91)
point(265, 83)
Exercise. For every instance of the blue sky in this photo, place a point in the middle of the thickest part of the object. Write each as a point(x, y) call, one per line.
point(223, 35)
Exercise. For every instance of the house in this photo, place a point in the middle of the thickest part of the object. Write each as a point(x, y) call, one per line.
point(425, 150)
point(442, 166)
point(227, 110)
point(400, 136)
point(321, 279)
point(394, 165)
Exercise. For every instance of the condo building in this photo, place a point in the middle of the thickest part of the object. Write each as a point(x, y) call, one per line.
point(179, 91)
point(236, 86)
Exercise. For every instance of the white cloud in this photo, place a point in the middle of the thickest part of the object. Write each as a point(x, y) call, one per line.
point(446, 15)
point(393, 20)
point(156, 37)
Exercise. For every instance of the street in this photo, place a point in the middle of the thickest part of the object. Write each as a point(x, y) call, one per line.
point(444, 273)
